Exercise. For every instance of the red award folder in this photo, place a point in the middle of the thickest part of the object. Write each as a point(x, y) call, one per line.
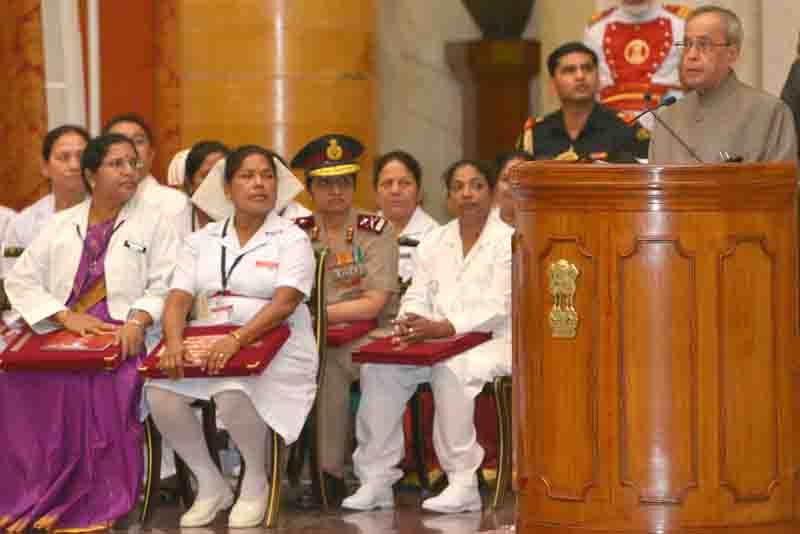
point(250, 360)
point(61, 350)
point(428, 352)
point(343, 333)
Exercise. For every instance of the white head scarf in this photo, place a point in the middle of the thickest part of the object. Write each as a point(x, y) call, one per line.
point(176, 174)
point(210, 196)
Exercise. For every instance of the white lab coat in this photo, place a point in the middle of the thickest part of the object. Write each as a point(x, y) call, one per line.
point(419, 226)
point(21, 231)
point(41, 280)
point(473, 293)
point(172, 203)
point(7, 215)
point(278, 255)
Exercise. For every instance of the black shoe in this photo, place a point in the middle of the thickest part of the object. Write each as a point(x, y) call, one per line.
point(311, 499)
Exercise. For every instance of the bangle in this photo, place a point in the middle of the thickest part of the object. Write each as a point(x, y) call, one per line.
point(237, 335)
point(137, 322)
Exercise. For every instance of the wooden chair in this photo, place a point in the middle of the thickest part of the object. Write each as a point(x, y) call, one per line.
point(307, 445)
point(500, 390)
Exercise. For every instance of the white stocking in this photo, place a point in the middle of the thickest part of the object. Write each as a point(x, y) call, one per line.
point(249, 432)
point(177, 422)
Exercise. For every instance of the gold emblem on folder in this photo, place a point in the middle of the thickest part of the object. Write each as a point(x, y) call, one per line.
point(563, 317)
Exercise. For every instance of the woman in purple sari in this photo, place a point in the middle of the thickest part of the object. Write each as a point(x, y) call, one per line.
point(72, 457)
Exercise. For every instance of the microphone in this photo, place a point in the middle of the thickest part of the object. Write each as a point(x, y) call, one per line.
point(404, 241)
point(668, 101)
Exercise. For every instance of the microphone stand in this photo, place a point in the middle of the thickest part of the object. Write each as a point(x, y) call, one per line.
point(667, 102)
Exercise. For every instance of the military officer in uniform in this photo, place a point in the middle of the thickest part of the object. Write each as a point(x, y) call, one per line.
point(360, 282)
point(582, 129)
point(634, 43)
point(721, 119)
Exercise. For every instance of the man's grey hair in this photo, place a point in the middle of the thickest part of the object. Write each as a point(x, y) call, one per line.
point(734, 34)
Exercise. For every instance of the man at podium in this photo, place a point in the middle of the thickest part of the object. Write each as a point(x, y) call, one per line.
point(721, 119)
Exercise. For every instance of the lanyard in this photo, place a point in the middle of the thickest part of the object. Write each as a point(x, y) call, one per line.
point(94, 253)
point(225, 273)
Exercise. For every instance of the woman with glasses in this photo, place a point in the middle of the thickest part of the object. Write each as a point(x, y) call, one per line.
point(72, 457)
point(254, 270)
point(462, 283)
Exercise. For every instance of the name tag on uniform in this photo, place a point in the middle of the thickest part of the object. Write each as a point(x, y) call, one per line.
point(267, 264)
point(136, 247)
point(220, 309)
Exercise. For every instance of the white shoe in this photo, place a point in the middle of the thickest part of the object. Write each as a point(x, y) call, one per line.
point(369, 497)
point(249, 511)
point(204, 511)
point(455, 499)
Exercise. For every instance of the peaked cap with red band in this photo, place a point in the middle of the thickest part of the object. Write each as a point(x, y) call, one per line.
point(329, 155)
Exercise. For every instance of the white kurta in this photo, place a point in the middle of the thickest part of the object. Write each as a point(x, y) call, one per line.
point(278, 255)
point(172, 203)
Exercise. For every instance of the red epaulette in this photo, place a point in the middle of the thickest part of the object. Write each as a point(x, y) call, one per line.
point(678, 10)
point(305, 223)
point(600, 15)
point(373, 223)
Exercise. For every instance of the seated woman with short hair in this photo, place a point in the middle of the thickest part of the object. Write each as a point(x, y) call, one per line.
point(253, 269)
point(462, 283)
point(72, 457)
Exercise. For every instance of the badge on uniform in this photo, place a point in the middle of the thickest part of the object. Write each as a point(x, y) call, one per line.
point(220, 309)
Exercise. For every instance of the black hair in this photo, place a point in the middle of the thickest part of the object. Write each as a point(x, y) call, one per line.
point(403, 157)
point(503, 158)
point(197, 155)
point(484, 167)
point(57, 133)
point(234, 160)
point(130, 117)
point(568, 48)
point(96, 151)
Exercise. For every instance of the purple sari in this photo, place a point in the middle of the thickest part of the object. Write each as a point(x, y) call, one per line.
point(72, 451)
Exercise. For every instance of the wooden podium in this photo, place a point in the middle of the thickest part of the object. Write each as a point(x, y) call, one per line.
point(655, 349)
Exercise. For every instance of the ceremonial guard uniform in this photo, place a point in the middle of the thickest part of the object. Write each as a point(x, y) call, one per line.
point(364, 258)
point(637, 56)
point(605, 137)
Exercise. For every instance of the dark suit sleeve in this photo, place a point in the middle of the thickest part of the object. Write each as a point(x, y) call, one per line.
point(791, 94)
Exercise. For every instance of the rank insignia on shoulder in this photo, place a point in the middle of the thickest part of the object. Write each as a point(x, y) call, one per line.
point(600, 15)
point(642, 134)
point(13, 252)
point(306, 223)
point(374, 223)
point(678, 10)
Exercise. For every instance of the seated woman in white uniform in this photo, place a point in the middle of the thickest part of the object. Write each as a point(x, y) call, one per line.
point(462, 283)
point(255, 268)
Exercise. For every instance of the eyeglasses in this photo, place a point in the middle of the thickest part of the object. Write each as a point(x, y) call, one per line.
point(119, 164)
point(701, 45)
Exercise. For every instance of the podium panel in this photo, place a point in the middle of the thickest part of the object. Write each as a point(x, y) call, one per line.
point(655, 348)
